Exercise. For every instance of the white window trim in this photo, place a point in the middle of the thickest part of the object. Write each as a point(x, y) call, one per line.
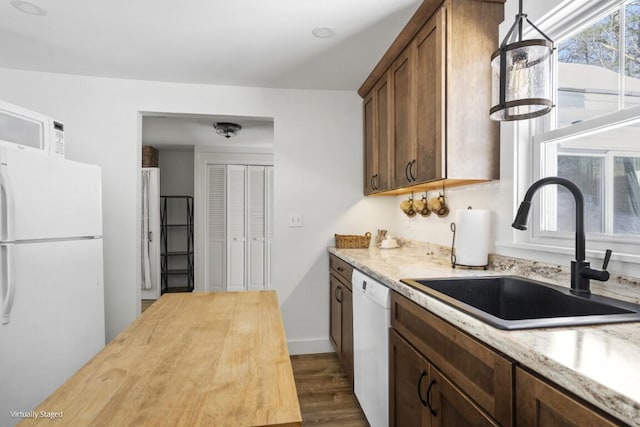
point(565, 18)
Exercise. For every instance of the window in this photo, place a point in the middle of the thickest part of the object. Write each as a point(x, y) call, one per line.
point(593, 134)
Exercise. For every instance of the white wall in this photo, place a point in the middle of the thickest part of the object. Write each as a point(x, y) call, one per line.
point(318, 156)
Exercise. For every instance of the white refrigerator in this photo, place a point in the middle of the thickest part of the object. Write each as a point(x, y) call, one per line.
point(51, 275)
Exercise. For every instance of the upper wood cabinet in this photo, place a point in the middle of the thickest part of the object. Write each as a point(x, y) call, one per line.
point(438, 76)
point(377, 139)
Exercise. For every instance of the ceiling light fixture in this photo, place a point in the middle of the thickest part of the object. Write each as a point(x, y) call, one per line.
point(521, 75)
point(323, 32)
point(28, 7)
point(227, 129)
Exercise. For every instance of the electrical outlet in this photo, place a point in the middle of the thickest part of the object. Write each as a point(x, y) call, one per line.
point(295, 219)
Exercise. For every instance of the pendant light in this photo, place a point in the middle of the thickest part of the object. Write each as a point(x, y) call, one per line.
point(521, 74)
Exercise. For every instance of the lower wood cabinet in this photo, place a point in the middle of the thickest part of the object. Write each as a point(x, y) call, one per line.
point(440, 376)
point(341, 321)
point(541, 404)
point(479, 372)
point(408, 379)
point(421, 395)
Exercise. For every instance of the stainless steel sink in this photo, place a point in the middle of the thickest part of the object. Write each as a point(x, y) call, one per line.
point(509, 302)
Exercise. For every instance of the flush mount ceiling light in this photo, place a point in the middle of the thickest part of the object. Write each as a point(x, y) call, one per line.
point(227, 129)
point(521, 75)
point(323, 32)
point(28, 7)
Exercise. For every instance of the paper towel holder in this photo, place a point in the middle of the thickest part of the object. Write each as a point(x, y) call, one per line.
point(453, 251)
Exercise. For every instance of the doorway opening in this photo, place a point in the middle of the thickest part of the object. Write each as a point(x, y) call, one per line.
point(177, 221)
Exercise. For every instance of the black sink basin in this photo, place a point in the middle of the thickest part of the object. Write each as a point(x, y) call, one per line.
point(509, 302)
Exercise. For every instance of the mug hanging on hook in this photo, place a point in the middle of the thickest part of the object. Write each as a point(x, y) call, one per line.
point(407, 207)
point(421, 206)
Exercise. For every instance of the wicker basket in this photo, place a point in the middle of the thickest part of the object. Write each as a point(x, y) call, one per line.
point(149, 157)
point(346, 241)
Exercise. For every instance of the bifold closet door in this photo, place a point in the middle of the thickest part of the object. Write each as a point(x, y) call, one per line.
point(256, 228)
point(216, 268)
point(236, 218)
point(239, 227)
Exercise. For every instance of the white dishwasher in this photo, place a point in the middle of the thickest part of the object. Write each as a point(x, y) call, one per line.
point(371, 347)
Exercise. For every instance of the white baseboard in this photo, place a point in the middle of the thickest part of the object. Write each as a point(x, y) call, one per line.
point(310, 346)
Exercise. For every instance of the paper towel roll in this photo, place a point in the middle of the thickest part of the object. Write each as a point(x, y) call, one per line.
point(472, 236)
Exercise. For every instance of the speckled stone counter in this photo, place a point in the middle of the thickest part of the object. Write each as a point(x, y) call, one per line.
point(601, 364)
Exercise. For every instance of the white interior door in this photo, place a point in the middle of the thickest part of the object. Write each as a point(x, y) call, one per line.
point(237, 229)
point(256, 228)
point(216, 265)
point(269, 222)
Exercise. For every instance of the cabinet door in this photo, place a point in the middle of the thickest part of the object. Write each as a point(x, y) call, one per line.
point(430, 99)
point(408, 381)
point(256, 227)
point(541, 405)
point(450, 407)
point(403, 123)
point(216, 260)
point(382, 179)
point(370, 145)
point(347, 332)
point(236, 217)
point(335, 314)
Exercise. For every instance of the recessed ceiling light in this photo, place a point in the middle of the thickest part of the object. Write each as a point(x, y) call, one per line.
point(28, 7)
point(323, 32)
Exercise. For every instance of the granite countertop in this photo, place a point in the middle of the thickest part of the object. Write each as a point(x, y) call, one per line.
point(598, 363)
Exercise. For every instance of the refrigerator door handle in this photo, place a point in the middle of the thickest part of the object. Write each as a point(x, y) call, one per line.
point(7, 281)
point(7, 203)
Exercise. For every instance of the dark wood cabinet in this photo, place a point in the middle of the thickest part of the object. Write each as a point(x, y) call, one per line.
point(402, 74)
point(540, 404)
point(341, 313)
point(440, 95)
point(421, 396)
point(451, 407)
point(430, 106)
point(377, 139)
point(408, 381)
point(478, 371)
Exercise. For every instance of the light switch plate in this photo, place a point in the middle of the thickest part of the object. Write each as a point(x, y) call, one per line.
point(295, 219)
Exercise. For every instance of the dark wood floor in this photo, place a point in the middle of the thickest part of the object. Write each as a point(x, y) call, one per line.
point(324, 392)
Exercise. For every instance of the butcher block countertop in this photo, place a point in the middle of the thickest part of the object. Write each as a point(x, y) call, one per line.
point(192, 359)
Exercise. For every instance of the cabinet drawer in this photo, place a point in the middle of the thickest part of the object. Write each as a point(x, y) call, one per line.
point(480, 372)
point(341, 268)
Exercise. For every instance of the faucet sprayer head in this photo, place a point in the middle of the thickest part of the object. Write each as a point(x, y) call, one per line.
point(520, 221)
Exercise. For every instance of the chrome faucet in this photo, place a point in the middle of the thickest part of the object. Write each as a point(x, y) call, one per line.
point(581, 273)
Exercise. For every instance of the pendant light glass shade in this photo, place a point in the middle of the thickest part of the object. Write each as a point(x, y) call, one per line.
point(521, 75)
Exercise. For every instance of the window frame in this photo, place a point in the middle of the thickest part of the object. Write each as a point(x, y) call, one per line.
point(532, 139)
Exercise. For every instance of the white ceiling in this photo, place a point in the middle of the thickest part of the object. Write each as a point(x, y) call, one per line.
point(263, 43)
point(182, 131)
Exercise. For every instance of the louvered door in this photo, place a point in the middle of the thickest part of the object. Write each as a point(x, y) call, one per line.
point(256, 227)
point(237, 220)
point(239, 227)
point(216, 266)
